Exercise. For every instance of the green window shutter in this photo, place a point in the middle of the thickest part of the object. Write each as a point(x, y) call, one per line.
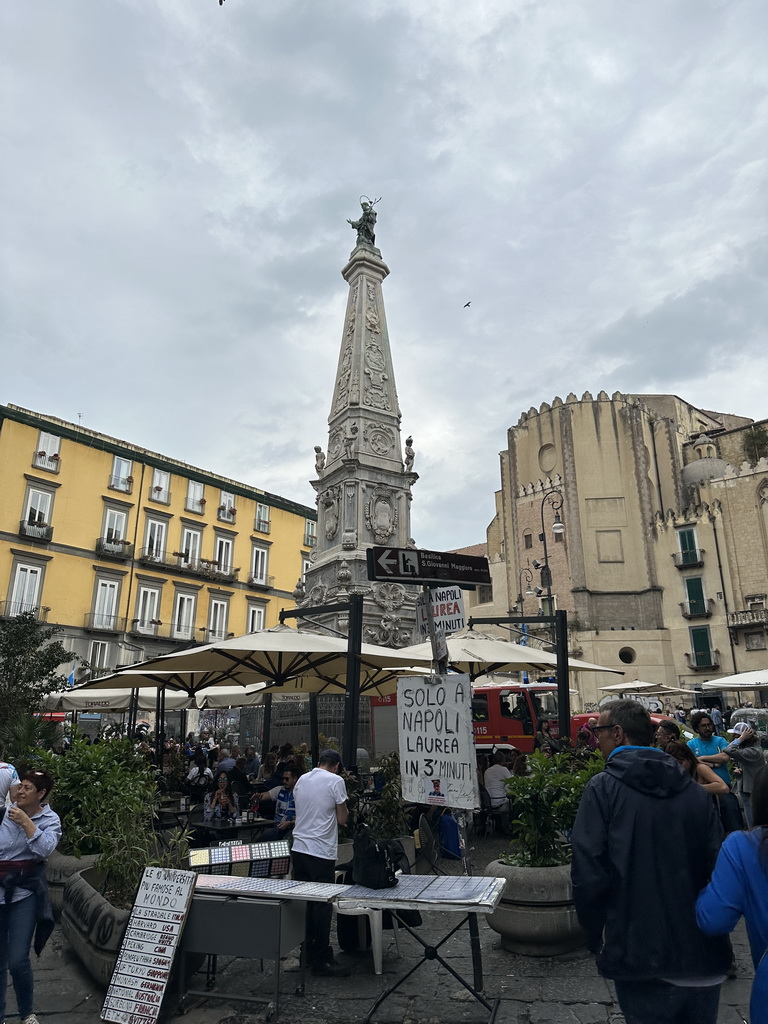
point(702, 651)
point(694, 589)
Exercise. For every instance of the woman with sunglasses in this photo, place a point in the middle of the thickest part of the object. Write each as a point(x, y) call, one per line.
point(29, 832)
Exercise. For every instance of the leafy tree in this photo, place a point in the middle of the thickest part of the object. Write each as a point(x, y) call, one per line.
point(755, 445)
point(29, 658)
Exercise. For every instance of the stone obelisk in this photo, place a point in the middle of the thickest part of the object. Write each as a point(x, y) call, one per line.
point(363, 484)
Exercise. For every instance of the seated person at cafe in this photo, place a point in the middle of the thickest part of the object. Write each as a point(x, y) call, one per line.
point(226, 761)
point(223, 802)
point(252, 761)
point(285, 809)
point(239, 779)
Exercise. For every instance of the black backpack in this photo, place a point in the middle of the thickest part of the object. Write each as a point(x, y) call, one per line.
point(373, 862)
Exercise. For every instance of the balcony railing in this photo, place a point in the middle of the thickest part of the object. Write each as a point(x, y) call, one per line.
point(213, 635)
point(310, 540)
point(207, 568)
point(35, 531)
point(121, 483)
point(160, 495)
point(149, 628)
point(182, 632)
point(748, 617)
point(195, 505)
point(50, 463)
point(697, 609)
point(261, 581)
point(109, 547)
point(155, 556)
point(689, 559)
point(702, 660)
point(226, 514)
point(262, 526)
point(10, 609)
point(107, 623)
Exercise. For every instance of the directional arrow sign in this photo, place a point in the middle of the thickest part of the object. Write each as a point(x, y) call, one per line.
point(407, 565)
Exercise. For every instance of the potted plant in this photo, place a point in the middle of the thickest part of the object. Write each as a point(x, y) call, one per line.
point(106, 797)
point(536, 915)
point(386, 815)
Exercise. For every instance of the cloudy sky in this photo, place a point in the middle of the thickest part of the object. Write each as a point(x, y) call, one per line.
point(176, 176)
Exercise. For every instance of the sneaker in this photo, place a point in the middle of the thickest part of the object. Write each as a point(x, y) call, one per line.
point(332, 970)
point(31, 1019)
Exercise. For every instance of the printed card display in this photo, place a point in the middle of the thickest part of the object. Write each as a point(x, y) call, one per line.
point(144, 962)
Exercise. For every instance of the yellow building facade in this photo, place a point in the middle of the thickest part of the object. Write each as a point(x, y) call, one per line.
point(133, 554)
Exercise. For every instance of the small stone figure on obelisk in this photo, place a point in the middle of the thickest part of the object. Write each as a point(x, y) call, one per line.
point(319, 460)
point(410, 454)
point(366, 223)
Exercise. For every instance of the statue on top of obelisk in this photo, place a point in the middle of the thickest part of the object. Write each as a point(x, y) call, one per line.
point(366, 223)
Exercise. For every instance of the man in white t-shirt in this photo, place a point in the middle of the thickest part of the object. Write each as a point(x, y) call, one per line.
point(9, 782)
point(494, 780)
point(320, 797)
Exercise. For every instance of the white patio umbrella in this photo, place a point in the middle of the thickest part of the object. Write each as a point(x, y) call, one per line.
point(88, 699)
point(630, 686)
point(284, 659)
point(742, 681)
point(478, 653)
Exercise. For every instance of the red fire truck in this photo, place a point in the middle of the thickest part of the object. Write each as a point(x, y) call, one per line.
point(506, 714)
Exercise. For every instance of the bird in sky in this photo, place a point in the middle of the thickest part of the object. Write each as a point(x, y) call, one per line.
point(467, 304)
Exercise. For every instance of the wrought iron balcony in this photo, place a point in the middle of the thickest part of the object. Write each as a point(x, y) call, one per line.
point(157, 557)
point(262, 582)
point(697, 609)
point(106, 623)
point(748, 618)
point(109, 547)
point(10, 609)
point(214, 635)
point(50, 463)
point(195, 505)
point(35, 531)
point(310, 540)
point(700, 661)
point(149, 628)
point(262, 526)
point(182, 632)
point(160, 495)
point(121, 483)
point(226, 514)
point(689, 559)
point(206, 568)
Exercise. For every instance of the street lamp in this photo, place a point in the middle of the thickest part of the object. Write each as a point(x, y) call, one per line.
point(528, 581)
point(554, 499)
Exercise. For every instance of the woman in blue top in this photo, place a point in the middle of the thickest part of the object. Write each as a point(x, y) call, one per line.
point(739, 886)
point(29, 833)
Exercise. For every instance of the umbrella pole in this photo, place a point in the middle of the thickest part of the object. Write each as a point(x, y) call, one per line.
point(266, 727)
point(314, 732)
point(352, 689)
point(563, 692)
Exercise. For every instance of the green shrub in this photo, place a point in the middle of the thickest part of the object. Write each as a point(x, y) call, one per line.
point(544, 804)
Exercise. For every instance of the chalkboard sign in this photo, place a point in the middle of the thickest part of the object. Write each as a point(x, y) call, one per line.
point(144, 962)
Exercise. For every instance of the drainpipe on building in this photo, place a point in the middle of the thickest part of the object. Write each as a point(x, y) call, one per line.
point(725, 595)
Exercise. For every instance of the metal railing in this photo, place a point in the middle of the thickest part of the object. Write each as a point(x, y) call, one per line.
point(195, 505)
point(121, 483)
point(109, 547)
point(226, 514)
point(160, 495)
point(10, 609)
point(261, 581)
point(703, 660)
point(689, 559)
point(156, 556)
point(697, 609)
point(51, 463)
point(108, 623)
point(35, 531)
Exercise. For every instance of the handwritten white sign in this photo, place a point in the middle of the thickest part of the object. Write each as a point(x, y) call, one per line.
point(437, 752)
point(144, 962)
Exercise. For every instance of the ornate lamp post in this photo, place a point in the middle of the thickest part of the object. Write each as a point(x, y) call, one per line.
point(528, 575)
point(554, 499)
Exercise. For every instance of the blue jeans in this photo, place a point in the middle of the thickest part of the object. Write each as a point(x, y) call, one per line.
point(657, 1002)
point(17, 926)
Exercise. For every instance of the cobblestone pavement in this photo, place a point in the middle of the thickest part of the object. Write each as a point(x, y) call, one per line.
point(557, 990)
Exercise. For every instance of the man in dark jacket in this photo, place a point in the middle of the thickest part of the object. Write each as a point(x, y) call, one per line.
point(645, 841)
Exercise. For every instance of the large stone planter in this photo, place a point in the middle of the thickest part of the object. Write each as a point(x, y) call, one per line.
point(536, 915)
point(92, 926)
point(58, 870)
